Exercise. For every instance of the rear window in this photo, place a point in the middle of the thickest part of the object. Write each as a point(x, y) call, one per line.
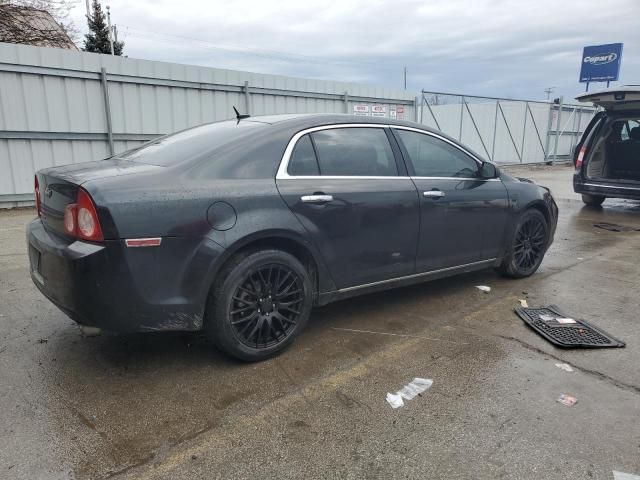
point(190, 144)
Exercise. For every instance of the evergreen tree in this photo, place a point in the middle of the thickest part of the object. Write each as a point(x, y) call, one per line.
point(97, 40)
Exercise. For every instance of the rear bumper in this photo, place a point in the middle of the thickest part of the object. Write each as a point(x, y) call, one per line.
point(117, 288)
point(593, 187)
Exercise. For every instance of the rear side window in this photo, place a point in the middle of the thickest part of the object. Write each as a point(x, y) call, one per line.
point(303, 159)
point(432, 157)
point(355, 152)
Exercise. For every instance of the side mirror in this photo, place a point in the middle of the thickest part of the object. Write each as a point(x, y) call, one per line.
point(488, 170)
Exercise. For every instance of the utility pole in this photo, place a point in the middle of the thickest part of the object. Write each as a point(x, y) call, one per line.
point(405, 78)
point(549, 91)
point(88, 10)
point(110, 30)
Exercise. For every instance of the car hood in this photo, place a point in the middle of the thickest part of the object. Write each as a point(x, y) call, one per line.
point(79, 173)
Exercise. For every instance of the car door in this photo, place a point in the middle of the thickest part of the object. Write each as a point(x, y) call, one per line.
point(348, 187)
point(463, 217)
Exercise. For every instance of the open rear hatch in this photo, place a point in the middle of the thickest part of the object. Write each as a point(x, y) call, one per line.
point(610, 147)
point(614, 99)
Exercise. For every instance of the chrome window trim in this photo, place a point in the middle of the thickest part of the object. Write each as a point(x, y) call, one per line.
point(468, 179)
point(338, 177)
point(282, 173)
point(284, 162)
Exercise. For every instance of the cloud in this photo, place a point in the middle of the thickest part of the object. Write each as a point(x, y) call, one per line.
point(504, 48)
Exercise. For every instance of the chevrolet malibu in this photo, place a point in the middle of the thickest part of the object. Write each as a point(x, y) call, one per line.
point(239, 228)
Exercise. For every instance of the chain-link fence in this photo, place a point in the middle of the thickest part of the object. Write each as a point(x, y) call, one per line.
point(507, 130)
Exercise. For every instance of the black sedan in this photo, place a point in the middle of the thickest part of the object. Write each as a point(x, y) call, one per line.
point(239, 228)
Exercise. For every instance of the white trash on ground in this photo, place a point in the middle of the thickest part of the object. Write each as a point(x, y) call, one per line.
point(564, 366)
point(409, 391)
point(395, 400)
point(523, 303)
point(483, 288)
point(567, 400)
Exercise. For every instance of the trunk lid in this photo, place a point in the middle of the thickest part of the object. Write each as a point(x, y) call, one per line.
point(59, 185)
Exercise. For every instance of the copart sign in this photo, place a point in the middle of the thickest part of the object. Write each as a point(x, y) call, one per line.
point(601, 63)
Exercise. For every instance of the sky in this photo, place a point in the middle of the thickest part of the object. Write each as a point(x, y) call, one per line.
point(504, 48)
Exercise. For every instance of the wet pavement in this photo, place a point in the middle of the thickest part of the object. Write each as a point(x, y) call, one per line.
point(167, 406)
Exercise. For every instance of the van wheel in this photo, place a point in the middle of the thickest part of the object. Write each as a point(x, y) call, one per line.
point(259, 304)
point(528, 245)
point(593, 200)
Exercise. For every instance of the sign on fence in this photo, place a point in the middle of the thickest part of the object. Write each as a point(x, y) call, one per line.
point(601, 63)
point(379, 110)
point(361, 110)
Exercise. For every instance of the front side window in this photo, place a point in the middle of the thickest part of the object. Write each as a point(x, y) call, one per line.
point(432, 157)
point(354, 152)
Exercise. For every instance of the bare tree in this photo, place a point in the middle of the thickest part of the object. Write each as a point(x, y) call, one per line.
point(37, 22)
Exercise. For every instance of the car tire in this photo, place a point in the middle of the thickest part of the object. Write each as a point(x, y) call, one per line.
point(527, 245)
point(260, 302)
point(593, 200)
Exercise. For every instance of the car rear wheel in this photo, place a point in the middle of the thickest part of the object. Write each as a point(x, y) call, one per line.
point(593, 200)
point(528, 245)
point(259, 304)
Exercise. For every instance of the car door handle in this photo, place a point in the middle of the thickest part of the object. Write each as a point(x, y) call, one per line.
point(433, 193)
point(317, 198)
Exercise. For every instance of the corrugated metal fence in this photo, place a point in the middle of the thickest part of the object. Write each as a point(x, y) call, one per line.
point(507, 130)
point(59, 106)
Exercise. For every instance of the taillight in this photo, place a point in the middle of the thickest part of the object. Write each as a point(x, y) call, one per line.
point(581, 155)
point(81, 219)
point(70, 219)
point(37, 193)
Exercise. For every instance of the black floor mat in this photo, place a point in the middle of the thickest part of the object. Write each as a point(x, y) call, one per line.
point(578, 334)
point(614, 227)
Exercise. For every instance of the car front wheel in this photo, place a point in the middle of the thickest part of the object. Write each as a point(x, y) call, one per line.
point(592, 200)
point(528, 245)
point(259, 304)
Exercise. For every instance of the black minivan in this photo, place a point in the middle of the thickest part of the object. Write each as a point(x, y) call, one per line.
point(607, 158)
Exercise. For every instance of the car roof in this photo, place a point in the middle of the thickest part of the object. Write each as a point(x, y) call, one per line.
point(624, 97)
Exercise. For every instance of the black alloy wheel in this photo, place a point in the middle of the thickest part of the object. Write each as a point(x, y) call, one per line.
point(529, 244)
point(528, 247)
point(266, 306)
point(259, 304)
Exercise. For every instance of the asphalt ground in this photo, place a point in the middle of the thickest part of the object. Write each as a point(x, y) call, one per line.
point(169, 406)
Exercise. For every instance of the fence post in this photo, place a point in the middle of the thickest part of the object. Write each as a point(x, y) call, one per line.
point(461, 117)
point(524, 131)
point(495, 129)
point(547, 140)
point(577, 120)
point(247, 97)
point(107, 109)
point(346, 102)
point(415, 109)
point(555, 143)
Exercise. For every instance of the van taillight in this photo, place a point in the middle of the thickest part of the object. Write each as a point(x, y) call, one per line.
point(81, 219)
point(37, 193)
point(581, 155)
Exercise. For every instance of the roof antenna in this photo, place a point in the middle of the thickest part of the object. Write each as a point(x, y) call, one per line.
point(239, 116)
